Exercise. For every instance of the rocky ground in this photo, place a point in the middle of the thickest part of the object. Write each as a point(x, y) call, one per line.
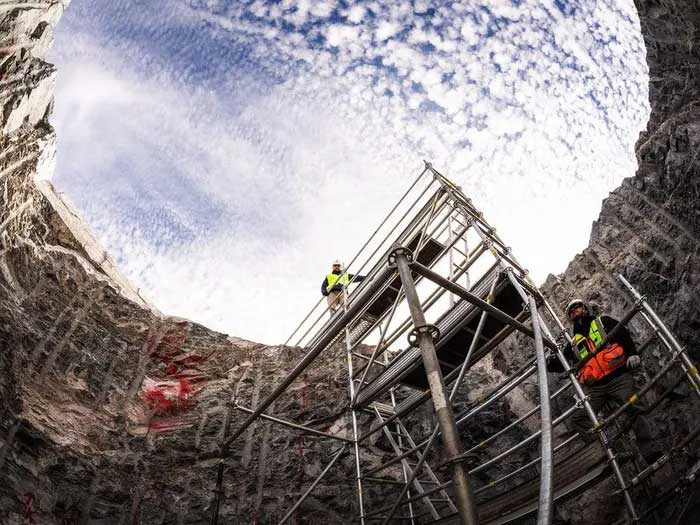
point(113, 413)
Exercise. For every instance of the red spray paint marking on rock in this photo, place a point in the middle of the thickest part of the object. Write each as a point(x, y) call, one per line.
point(174, 394)
point(28, 509)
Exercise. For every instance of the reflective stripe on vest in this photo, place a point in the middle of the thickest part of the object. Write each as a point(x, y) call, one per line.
point(336, 278)
point(596, 334)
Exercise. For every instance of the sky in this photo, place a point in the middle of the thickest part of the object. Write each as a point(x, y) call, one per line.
point(226, 151)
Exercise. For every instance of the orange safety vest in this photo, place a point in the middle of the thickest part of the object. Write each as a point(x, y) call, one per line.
point(601, 363)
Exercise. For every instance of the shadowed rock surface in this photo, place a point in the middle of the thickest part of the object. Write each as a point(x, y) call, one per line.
point(113, 413)
point(649, 231)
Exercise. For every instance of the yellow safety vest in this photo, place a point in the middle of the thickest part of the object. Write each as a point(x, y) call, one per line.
point(596, 334)
point(337, 278)
point(603, 362)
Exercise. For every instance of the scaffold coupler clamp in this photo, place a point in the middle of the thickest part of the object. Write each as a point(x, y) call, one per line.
point(430, 329)
point(399, 250)
point(561, 341)
point(625, 487)
point(580, 403)
point(489, 247)
point(598, 427)
point(460, 458)
point(639, 303)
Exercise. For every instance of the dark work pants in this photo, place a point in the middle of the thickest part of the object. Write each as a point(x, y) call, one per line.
point(619, 389)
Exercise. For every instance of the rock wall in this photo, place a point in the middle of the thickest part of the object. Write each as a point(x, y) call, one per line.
point(113, 413)
point(109, 411)
point(649, 231)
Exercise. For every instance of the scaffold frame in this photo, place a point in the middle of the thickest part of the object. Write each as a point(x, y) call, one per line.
point(435, 230)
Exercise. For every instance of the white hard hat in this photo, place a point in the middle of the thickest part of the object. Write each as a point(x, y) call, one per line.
point(573, 303)
point(337, 262)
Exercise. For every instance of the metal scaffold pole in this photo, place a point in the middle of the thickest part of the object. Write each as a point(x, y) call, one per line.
point(353, 415)
point(313, 485)
point(218, 491)
point(612, 458)
point(582, 398)
point(545, 504)
point(667, 338)
point(425, 334)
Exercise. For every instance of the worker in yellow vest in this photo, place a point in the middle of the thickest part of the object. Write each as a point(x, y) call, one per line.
point(605, 374)
point(334, 284)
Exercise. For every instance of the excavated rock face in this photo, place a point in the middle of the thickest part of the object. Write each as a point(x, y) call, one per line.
point(649, 231)
point(113, 413)
point(109, 411)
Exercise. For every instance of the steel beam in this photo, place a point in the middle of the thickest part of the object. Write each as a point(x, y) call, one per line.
point(302, 428)
point(450, 435)
point(220, 467)
point(453, 393)
point(476, 301)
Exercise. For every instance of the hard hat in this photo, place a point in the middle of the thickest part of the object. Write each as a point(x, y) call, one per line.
point(337, 263)
point(573, 303)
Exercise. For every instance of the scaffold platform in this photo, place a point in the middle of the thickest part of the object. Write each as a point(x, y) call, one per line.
point(441, 292)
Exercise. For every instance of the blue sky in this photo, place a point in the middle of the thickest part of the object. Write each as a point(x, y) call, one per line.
point(225, 152)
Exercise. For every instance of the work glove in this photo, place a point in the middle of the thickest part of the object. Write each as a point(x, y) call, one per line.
point(633, 362)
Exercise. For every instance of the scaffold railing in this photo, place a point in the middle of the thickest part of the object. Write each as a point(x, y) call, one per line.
point(441, 292)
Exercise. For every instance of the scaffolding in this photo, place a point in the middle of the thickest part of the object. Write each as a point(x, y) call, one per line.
point(441, 292)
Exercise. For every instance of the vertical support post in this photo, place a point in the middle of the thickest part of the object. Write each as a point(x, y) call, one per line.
point(453, 394)
point(222, 457)
point(353, 415)
point(443, 409)
point(467, 280)
point(451, 255)
point(544, 514)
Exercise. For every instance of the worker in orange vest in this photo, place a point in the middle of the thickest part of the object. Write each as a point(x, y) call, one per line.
point(606, 373)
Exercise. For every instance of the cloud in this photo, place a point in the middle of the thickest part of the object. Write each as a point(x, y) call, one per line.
point(386, 29)
point(356, 13)
point(338, 35)
point(224, 152)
